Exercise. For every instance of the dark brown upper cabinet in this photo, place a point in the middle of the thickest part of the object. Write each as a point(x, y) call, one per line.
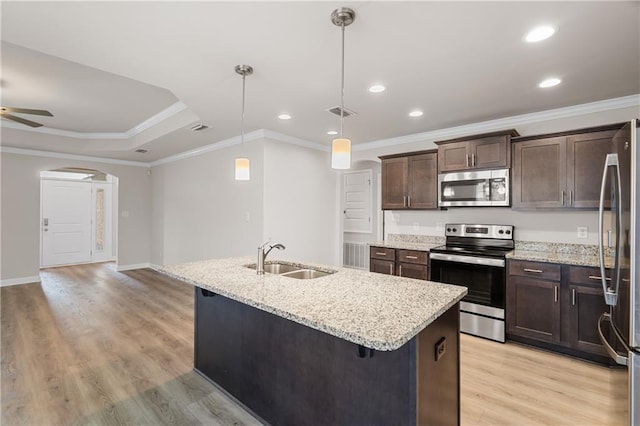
point(409, 181)
point(487, 151)
point(561, 170)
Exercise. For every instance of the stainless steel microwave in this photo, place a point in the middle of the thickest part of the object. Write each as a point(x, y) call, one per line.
point(477, 188)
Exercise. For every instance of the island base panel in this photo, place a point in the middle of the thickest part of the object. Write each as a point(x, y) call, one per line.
point(290, 374)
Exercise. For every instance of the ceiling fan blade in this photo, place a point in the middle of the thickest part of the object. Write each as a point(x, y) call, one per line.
point(20, 120)
point(27, 111)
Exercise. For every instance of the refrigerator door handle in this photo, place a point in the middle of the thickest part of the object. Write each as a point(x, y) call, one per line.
point(610, 295)
point(619, 359)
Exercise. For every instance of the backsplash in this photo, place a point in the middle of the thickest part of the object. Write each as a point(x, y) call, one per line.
point(562, 248)
point(415, 239)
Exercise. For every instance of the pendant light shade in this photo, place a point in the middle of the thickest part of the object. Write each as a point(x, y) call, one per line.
point(243, 169)
point(341, 147)
point(341, 154)
point(242, 165)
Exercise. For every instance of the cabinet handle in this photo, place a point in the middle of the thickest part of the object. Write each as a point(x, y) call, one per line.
point(573, 297)
point(595, 277)
point(400, 271)
point(467, 158)
point(381, 254)
point(535, 271)
point(409, 201)
point(473, 160)
point(411, 257)
point(391, 269)
point(404, 201)
point(564, 194)
point(570, 198)
point(555, 294)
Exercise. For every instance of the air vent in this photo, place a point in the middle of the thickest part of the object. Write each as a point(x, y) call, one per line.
point(336, 110)
point(142, 151)
point(198, 127)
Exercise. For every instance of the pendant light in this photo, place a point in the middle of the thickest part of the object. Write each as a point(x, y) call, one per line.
point(243, 164)
point(341, 147)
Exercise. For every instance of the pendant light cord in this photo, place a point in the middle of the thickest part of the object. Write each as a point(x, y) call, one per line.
point(342, 85)
point(242, 115)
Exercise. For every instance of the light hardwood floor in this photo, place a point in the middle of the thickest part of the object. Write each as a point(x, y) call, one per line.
point(94, 346)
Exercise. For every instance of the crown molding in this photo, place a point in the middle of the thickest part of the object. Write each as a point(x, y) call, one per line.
point(139, 128)
point(49, 154)
point(294, 141)
point(505, 123)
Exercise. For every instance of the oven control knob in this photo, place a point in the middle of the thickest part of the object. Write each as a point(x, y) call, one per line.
point(500, 232)
point(454, 229)
point(448, 229)
point(508, 232)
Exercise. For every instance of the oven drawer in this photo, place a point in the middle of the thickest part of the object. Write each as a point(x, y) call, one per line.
point(413, 256)
point(543, 270)
point(382, 253)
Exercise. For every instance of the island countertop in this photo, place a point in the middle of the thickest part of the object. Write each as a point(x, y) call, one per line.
point(377, 311)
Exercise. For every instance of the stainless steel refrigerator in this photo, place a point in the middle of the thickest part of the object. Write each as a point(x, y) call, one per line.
point(619, 328)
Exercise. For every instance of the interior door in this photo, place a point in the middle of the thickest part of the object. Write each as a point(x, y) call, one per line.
point(66, 222)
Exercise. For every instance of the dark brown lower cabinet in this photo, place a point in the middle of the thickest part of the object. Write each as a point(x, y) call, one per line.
point(400, 262)
point(556, 307)
point(291, 374)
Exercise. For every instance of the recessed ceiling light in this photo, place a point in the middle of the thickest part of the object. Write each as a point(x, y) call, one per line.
point(332, 132)
point(540, 33)
point(416, 113)
point(284, 117)
point(377, 88)
point(549, 82)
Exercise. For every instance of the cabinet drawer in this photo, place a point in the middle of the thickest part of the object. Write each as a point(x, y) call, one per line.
point(382, 253)
point(588, 275)
point(542, 270)
point(413, 256)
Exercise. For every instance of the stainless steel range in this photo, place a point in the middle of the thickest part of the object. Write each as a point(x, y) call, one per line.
point(474, 257)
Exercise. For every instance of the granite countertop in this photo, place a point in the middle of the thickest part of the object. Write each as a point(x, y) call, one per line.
point(405, 245)
point(579, 259)
point(378, 311)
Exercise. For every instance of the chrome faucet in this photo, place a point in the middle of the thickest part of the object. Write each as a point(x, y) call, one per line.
point(263, 251)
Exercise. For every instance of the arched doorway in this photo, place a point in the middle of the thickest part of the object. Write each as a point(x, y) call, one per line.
point(78, 224)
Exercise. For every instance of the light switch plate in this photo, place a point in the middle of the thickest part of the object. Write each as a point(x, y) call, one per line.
point(583, 232)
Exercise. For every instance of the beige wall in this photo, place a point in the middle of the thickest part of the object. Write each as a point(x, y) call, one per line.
point(20, 212)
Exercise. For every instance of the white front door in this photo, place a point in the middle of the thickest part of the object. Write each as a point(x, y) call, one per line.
point(66, 222)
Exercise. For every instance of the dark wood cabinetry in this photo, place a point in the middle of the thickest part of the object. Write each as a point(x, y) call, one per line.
point(561, 170)
point(409, 181)
point(403, 263)
point(556, 305)
point(533, 300)
point(488, 151)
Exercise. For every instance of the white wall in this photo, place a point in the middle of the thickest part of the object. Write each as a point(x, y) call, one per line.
point(200, 210)
point(300, 202)
point(20, 218)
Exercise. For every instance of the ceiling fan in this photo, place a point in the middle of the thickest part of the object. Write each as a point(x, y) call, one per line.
point(7, 112)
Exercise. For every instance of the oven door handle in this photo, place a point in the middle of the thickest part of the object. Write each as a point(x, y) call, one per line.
point(473, 260)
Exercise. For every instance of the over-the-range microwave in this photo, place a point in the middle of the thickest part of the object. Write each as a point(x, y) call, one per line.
point(477, 188)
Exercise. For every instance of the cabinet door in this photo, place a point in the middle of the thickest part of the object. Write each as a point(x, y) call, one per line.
point(587, 304)
point(490, 153)
point(413, 270)
point(394, 183)
point(586, 155)
point(533, 308)
point(453, 156)
point(423, 181)
point(539, 173)
point(382, 266)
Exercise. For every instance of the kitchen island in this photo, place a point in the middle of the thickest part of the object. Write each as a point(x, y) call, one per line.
point(351, 347)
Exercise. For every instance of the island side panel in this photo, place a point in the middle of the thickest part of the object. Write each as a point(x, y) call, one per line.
point(438, 377)
point(290, 374)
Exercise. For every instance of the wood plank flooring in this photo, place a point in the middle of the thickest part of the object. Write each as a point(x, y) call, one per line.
point(90, 345)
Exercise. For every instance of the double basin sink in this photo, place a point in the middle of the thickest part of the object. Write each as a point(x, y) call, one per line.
point(300, 272)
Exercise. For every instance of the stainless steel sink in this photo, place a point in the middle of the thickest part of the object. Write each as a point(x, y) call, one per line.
point(277, 268)
point(306, 274)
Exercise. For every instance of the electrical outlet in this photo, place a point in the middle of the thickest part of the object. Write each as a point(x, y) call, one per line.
point(125, 213)
point(583, 232)
point(416, 226)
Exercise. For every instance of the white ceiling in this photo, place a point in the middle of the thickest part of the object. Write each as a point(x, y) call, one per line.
point(123, 75)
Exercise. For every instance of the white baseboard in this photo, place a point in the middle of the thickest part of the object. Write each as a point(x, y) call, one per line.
point(155, 267)
point(122, 268)
point(18, 281)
